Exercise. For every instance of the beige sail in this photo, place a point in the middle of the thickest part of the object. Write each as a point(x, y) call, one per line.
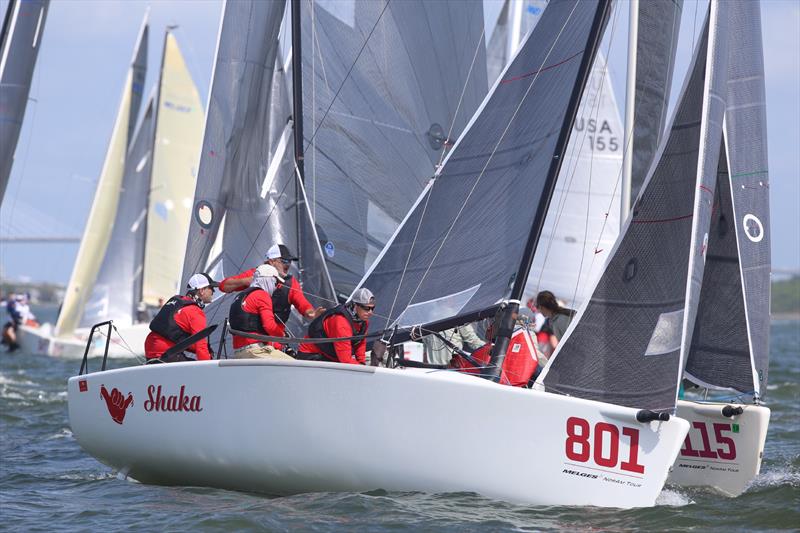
point(178, 140)
point(98, 228)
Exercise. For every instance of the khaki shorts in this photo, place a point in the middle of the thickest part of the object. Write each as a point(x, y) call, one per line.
point(260, 351)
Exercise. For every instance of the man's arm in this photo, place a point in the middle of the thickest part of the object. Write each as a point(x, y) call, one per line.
point(192, 319)
point(239, 282)
point(299, 301)
point(261, 302)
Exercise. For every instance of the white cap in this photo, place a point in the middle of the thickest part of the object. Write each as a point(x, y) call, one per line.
point(199, 281)
point(279, 251)
point(265, 271)
point(363, 296)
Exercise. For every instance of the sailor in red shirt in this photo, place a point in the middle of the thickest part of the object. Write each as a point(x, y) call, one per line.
point(180, 318)
point(347, 320)
point(252, 311)
point(287, 292)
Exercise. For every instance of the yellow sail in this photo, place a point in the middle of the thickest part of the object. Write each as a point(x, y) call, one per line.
point(176, 152)
point(98, 228)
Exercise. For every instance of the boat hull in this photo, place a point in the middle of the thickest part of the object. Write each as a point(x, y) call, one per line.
point(40, 340)
point(289, 427)
point(723, 453)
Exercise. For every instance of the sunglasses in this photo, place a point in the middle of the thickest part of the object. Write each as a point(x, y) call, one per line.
point(286, 261)
point(369, 308)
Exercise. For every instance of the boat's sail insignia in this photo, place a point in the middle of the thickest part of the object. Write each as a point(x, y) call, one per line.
point(19, 47)
point(97, 232)
point(730, 346)
point(627, 345)
point(458, 252)
point(112, 295)
point(387, 87)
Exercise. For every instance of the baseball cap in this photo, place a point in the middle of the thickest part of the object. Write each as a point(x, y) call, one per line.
point(363, 296)
point(265, 271)
point(279, 251)
point(198, 281)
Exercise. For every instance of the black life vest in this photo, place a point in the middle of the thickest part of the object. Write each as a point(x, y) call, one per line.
point(164, 322)
point(280, 300)
point(317, 331)
point(244, 320)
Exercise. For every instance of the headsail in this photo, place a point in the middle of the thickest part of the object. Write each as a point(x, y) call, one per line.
point(387, 87)
point(730, 346)
point(627, 345)
point(97, 233)
point(178, 136)
point(19, 48)
point(460, 248)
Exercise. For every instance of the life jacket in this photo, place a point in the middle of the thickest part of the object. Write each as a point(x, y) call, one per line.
point(317, 331)
point(164, 322)
point(280, 300)
point(244, 320)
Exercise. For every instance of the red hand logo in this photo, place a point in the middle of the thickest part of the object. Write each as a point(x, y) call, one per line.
point(117, 404)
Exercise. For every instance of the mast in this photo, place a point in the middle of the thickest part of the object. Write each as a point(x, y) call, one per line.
point(630, 105)
point(297, 114)
point(511, 307)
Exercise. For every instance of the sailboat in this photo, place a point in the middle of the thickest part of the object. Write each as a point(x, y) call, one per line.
point(279, 426)
point(20, 41)
point(141, 208)
point(729, 349)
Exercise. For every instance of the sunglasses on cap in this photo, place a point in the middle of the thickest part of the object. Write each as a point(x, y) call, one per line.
point(366, 307)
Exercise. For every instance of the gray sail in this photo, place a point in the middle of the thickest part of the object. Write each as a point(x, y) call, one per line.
point(19, 47)
point(626, 345)
point(659, 23)
point(121, 268)
point(735, 354)
point(460, 248)
point(387, 87)
point(236, 152)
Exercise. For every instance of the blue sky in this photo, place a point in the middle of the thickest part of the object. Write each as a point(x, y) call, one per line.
point(85, 53)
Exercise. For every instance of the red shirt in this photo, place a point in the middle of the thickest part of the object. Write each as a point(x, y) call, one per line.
point(260, 302)
point(296, 296)
point(339, 326)
point(518, 367)
point(190, 319)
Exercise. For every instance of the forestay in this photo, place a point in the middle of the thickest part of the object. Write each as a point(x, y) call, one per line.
point(458, 252)
point(628, 343)
point(730, 347)
point(19, 47)
point(387, 87)
point(97, 233)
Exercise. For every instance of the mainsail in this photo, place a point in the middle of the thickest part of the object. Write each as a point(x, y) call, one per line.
point(628, 343)
point(388, 86)
point(730, 345)
point(461, 247)
point(19, 47)
point(97, 233)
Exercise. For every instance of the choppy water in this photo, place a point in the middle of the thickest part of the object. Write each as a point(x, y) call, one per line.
point(48, 483)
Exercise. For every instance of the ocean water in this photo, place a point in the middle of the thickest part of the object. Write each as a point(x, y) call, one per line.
point(48, 483)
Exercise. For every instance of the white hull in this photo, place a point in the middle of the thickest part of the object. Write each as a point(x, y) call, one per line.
point(289, 427)
point(720, 452)
point(40, 340)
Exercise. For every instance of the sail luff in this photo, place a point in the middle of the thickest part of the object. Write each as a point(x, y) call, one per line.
point(97, 232)
point(21, 41)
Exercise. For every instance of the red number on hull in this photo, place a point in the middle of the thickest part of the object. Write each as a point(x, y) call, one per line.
point(578, 444)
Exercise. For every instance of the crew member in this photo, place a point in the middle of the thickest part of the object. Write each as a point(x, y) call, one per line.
point(347, 320)
point(252, 311)
point(558, 317)
point(287, 293)
point(180, 318)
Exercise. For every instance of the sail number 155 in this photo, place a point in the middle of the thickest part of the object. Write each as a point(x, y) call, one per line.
point(584, 444)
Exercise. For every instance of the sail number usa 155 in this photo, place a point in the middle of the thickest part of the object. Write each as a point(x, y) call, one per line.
point(600, 445)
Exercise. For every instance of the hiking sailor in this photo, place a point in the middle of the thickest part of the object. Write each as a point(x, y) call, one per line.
point(252, 311)
point(350, 319)
point(180, 318)
point(288, 291)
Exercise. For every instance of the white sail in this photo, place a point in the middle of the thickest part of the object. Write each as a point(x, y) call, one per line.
point(98, 228)
point(179, 131)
